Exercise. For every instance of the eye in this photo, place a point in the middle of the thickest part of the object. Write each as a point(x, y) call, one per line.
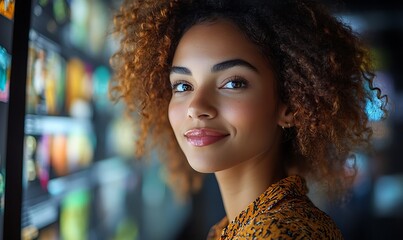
point(235, 83)
point(181, 87)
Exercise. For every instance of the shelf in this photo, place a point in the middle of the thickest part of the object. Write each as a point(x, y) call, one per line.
point(100, 173)
point(38, 125)
point(39, 214)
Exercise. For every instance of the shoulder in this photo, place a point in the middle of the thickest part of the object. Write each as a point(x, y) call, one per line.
point(295, 218)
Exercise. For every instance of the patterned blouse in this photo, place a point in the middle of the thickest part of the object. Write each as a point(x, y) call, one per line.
point(283, 211)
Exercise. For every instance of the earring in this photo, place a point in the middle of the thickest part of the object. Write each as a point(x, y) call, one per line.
point(288, 126)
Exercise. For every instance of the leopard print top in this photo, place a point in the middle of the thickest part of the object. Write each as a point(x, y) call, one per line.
point(283, 211)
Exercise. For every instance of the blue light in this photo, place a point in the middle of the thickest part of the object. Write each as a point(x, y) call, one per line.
point(388, 198)
point(373, 108)
point(374, 105)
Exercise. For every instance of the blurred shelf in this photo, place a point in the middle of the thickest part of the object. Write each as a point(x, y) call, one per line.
point(39, 125)
point(99, 173)
point(44, 211)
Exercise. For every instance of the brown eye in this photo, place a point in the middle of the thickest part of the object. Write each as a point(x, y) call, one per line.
point(236, 83)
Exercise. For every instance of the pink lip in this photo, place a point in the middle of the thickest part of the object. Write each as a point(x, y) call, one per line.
point(201, 137)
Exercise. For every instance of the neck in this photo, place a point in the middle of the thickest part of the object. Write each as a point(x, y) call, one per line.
point(242, 184)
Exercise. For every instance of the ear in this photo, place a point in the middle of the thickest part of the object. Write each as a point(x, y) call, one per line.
point(285, 116)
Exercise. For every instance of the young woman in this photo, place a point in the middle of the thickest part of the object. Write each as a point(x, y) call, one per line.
point(264, 94)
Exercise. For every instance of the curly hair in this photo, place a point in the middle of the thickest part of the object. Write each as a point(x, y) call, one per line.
point(323, 71)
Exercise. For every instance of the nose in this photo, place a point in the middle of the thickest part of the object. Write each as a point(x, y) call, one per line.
point(202, 106)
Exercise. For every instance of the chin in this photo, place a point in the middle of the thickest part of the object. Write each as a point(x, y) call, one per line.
point(202, 166)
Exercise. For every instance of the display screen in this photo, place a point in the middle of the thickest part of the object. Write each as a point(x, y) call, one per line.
point(5, 60)
point(4, 82)
point(6, 28)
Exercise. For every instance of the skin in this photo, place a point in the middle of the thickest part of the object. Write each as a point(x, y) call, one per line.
point(225, 111)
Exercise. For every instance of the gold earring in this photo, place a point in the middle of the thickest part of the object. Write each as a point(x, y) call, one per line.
point(289, 125)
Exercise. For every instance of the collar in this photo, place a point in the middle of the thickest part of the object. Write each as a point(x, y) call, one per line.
point(290, 186)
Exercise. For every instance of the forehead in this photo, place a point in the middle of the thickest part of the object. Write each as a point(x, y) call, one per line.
point(219, 40)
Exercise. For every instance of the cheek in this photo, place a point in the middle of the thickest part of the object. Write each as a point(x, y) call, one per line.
point(251, 113)
point(175, 112)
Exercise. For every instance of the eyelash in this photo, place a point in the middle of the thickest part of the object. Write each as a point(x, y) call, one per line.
point(236, 79)
point(175, 85)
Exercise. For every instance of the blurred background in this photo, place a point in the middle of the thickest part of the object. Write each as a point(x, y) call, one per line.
point(80, 178)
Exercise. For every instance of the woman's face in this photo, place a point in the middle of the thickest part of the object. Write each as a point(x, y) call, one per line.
point(224, 109)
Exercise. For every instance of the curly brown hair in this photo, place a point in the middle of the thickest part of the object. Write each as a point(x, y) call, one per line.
point(323, 70)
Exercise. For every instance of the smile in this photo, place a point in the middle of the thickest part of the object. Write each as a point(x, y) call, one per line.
point(201, 137)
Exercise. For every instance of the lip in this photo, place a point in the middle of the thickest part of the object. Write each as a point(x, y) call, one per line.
point(200, 137)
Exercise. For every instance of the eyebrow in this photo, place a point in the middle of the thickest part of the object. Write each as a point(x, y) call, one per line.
point(180, 70)
point(217, 67)
point(232, 63)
